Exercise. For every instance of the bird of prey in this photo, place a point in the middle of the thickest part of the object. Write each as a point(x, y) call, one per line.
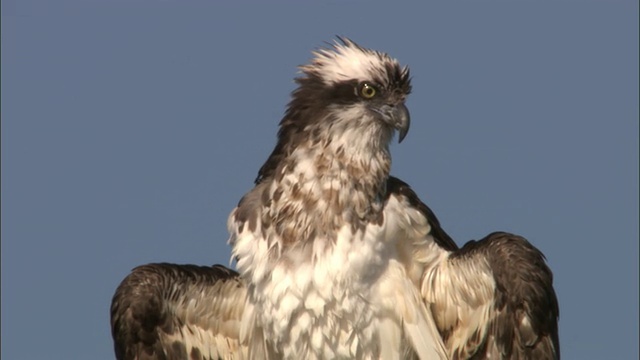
point(336, 258)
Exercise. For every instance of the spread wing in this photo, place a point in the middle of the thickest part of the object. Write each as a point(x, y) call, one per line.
point(169, 311)
point(491, 299)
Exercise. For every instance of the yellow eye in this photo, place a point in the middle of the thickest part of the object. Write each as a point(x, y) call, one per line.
point(367, 91)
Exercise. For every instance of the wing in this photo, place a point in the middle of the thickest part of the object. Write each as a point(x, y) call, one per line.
point(492, 299)
point(168, 311)
point(496, 299)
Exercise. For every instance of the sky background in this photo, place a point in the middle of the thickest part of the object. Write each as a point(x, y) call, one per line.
point(130, 129)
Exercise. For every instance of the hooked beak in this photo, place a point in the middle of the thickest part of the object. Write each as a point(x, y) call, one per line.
point(402, 120)
point(398, 117)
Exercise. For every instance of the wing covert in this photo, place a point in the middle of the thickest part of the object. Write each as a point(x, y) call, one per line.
point(491, 299)
point(169, 311)
point(524, 313)
point(494, 299)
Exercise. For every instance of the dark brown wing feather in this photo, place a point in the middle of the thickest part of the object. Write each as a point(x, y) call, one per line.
point(526, 306)
point(169, 311)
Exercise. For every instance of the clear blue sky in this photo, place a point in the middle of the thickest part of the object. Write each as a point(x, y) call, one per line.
point(130, 129)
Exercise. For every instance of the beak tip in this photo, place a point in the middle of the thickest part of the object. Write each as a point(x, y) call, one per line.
point(404, 122)
point(401, 135)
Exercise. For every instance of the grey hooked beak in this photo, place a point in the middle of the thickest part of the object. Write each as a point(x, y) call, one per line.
point(401, 120)
point(396, 116)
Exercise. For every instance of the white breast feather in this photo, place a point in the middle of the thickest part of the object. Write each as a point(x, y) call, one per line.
point(352, 299)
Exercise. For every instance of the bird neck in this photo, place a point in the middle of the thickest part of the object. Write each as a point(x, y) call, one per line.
point(321, 187)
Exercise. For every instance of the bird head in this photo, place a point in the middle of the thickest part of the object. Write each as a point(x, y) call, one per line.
point(356, 82)
point(349, 96)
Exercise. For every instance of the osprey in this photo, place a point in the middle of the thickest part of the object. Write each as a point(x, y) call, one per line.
point(338, 259)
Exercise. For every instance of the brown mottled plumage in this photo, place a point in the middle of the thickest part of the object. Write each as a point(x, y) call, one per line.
point(338, 259)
